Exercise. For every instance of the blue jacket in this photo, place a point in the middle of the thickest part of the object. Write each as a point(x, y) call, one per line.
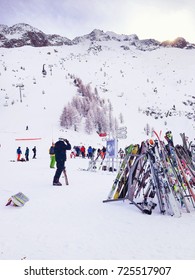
point(18, 151)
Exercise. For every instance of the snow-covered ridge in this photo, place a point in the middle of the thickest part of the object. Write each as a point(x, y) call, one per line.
point(23, 34)
point(100, 35)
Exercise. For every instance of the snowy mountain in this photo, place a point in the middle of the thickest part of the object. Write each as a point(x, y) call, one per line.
point(147, 89)
point(100, 35)
point(152, 85)
point(23, 34)
point(178, 43)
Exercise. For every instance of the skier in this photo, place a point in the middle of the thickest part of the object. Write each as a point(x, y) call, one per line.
point(103, 153)
point(60, 149)
point(19, 152)
point(82, 149)
point(27, 154)
point(89, 152)
point(34, 152)
point(52, 155)
point(78, 151)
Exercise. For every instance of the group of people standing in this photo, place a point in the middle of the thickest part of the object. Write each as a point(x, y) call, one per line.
point(82, 151)
point(89, 152)
point(58, 156)
point(26, 154)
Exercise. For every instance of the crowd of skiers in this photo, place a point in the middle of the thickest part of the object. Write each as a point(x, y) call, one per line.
point(26, 154)
point(82, 151)
point(78, 151)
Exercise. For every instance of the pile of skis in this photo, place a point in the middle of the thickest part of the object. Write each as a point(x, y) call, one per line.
point(157, 174)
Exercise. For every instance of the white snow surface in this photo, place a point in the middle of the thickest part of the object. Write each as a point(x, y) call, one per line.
point(72, 222)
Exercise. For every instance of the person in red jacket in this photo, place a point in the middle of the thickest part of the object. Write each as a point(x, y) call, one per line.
point(82, 149)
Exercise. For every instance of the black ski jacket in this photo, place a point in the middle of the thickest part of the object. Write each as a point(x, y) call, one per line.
point(60, 150)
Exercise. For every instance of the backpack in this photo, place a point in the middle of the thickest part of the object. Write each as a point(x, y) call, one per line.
point(51, 151)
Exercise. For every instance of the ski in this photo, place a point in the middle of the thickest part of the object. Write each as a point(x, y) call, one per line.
point(121, 171)
point(122, 185)
point(66, 177)
point(170, 198)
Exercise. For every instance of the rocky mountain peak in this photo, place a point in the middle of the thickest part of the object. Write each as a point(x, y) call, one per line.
point(177, 43)
point(23, 34)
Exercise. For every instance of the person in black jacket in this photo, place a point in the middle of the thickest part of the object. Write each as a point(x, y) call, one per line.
point(60, 149)
point(34, 151)
point(27, 154)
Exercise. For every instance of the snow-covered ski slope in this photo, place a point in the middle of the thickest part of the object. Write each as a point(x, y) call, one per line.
point(133, 80)
point(71, 222)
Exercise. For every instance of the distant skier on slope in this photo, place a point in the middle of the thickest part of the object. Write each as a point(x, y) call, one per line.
point(60, 149)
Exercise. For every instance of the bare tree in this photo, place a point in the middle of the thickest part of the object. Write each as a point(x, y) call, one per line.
point(95, 112)
point(121, 118)
point(147, 129)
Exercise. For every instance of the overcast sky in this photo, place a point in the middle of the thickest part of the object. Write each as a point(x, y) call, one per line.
point(157, 19)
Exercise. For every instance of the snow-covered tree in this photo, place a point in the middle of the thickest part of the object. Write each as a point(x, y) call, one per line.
point(89, 123)
point(147, 129)
point(95, 112)
point(70, 117)
point(121, 118)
